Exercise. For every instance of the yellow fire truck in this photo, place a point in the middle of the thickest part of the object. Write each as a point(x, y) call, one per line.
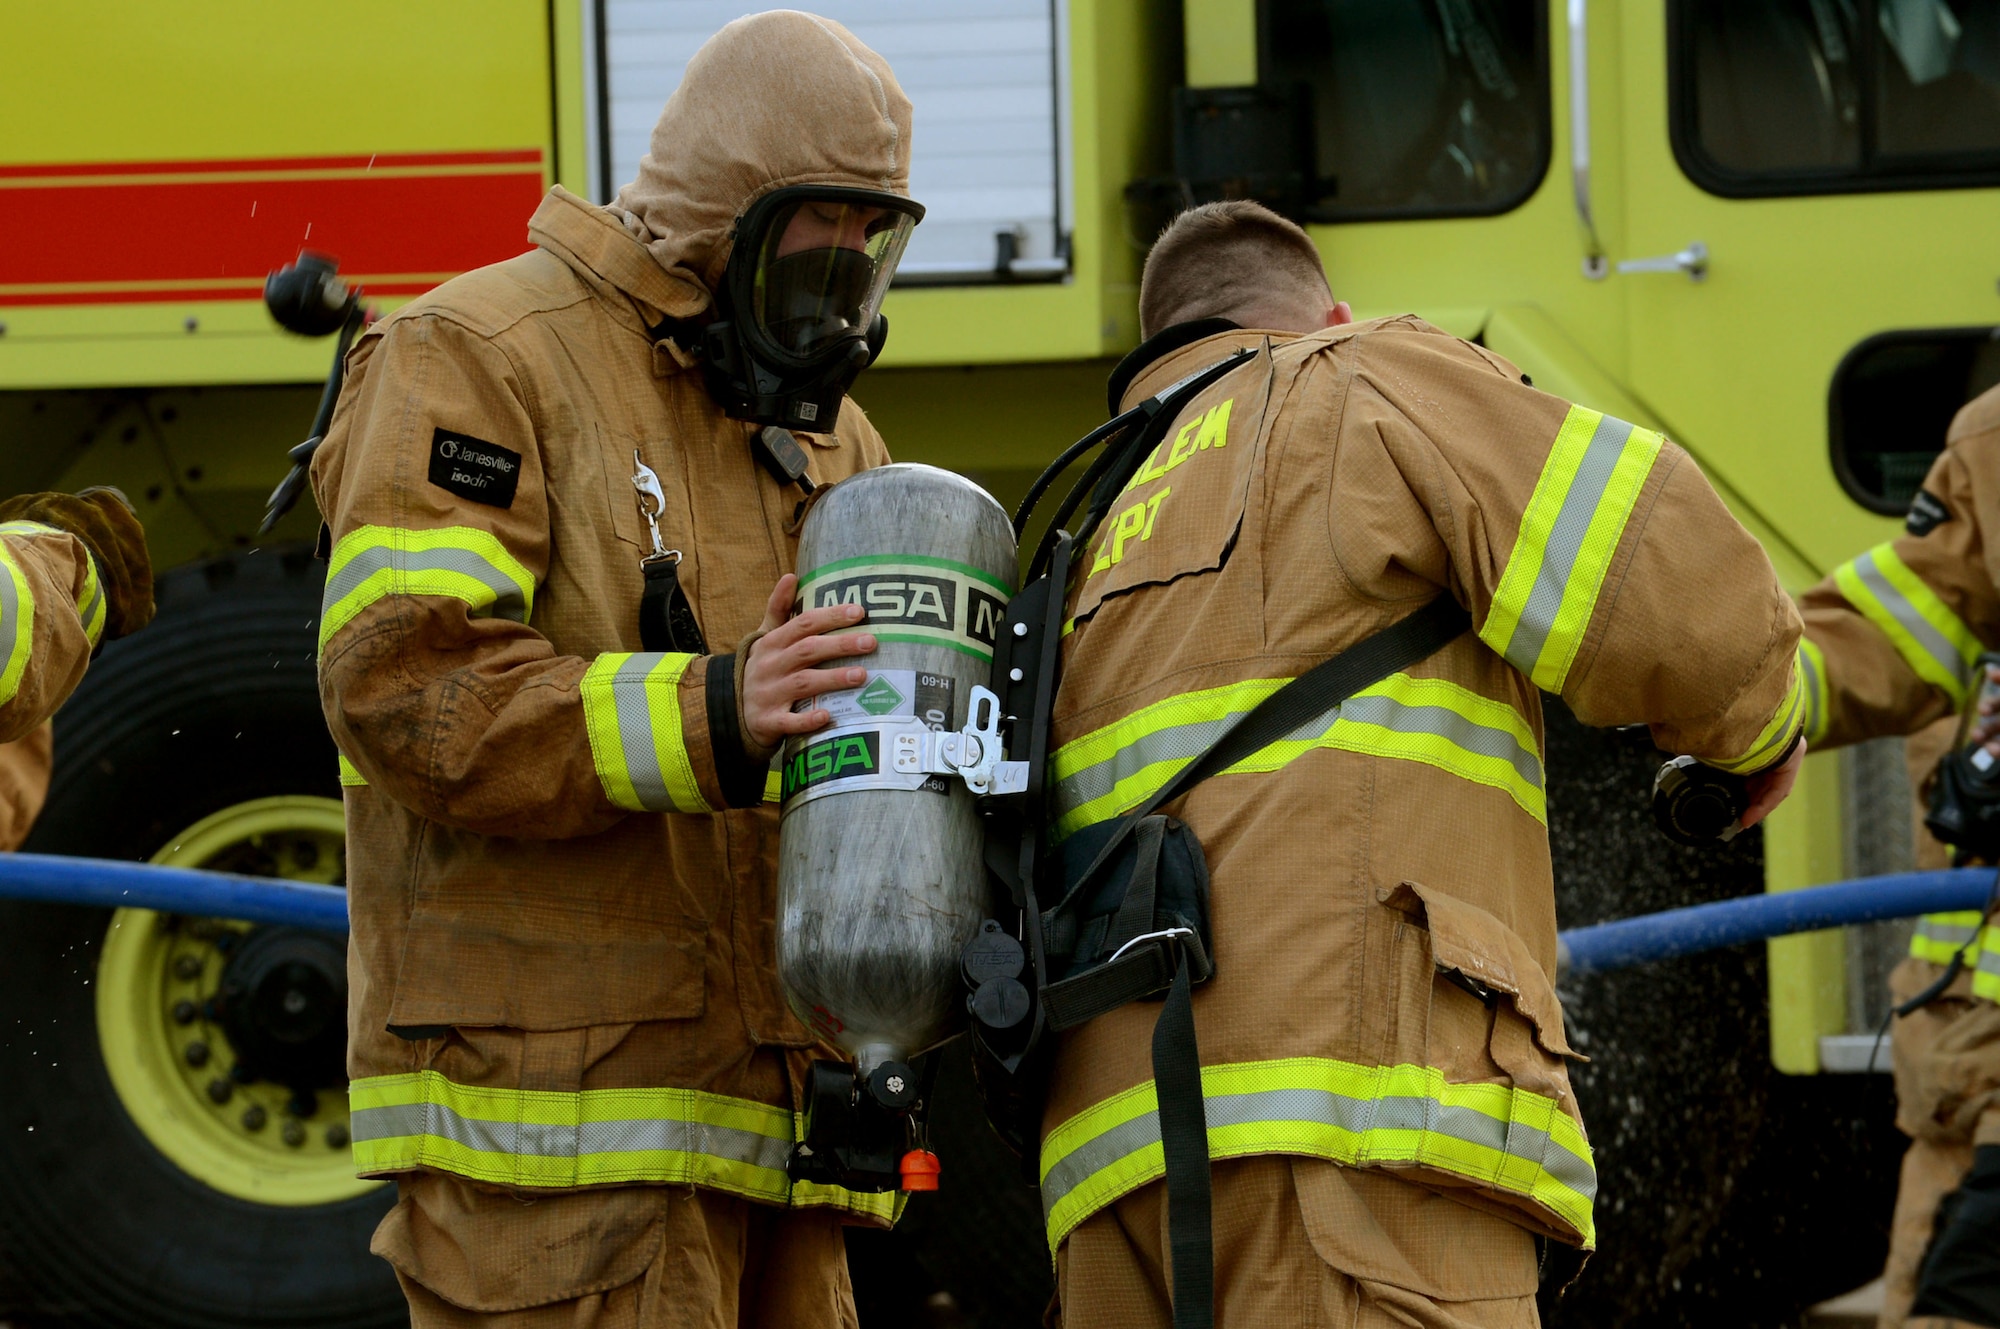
point(1759, 225)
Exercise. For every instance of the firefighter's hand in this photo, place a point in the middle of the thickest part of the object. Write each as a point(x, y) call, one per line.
point(1768, 788)
point(103, 519)
point(781, 668)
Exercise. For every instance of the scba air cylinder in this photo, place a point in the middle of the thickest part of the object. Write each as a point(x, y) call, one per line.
point(880, 873)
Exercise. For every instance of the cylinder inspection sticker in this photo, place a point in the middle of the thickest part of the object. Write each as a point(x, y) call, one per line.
point(933, 601)
point(854, 753)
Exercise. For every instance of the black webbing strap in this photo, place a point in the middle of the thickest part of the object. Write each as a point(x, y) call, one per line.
point(666, 619)
point(1184, 1146)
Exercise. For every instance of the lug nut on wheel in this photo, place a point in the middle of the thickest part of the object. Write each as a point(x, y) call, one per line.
point(336, 1137)
point(219, 1091)
point(196, 1053)
point(187, 967)
point(293, 1133)
point(185, 1011)
point(254, 1117)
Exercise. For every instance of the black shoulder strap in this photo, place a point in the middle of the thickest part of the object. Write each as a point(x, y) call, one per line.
point(1304, 699)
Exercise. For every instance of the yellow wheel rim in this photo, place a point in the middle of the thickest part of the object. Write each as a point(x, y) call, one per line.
point(170, 1061)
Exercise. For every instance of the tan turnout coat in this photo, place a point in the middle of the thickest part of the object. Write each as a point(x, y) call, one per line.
point(561, 873)
point(1383, 909)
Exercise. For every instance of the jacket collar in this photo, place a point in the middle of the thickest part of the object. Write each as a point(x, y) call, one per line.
point(591, 241)
point(1184, 357)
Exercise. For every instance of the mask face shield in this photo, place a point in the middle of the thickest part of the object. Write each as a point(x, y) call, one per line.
point(823, 259)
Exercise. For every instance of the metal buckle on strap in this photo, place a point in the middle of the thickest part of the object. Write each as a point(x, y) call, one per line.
point(974, 753)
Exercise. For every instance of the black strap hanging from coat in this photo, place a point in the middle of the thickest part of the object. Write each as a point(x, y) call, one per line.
point(666, 619)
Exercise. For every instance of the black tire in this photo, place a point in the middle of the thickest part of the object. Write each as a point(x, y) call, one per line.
point(214, 704)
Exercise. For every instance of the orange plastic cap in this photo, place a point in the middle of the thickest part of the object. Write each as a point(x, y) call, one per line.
point(920, 1170)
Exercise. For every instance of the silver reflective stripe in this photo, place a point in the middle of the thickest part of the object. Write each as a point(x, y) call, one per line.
point(1178, 743)
point(1989, 962)
point(531, 1140)
point(1325, 1108)
point(1586, 491)
point(1447, 724)
point(633, 703)
point(1949, 933)
point(1814, 688)
point(508, 602)
point(89, 609)
point(1899, 607)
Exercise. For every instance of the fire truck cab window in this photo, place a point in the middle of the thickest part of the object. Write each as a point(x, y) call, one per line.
point(1419, 107)
point(1893, 398)
point(1836, 96)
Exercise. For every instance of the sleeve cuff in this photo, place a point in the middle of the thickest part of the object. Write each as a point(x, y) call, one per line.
point(632, 710)
point(741, 776)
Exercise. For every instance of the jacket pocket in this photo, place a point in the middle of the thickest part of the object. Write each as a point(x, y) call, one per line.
point(1193, 487)
point(1478, 1013)
point(614, 453)
point(488, 1249)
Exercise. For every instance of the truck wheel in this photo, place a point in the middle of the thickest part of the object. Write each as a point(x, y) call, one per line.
point(173, 1132)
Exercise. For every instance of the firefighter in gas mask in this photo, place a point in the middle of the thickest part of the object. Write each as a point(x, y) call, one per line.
point(560, 492)
point(1893, 640)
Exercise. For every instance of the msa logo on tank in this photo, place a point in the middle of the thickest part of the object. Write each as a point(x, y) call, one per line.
point(846, 756)
point(834, 761)
point(929, 600)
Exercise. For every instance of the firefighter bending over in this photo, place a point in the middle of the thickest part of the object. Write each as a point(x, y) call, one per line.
point(1891, 640)
point(1384, 1067)
point(74, 574)
point(560, 492)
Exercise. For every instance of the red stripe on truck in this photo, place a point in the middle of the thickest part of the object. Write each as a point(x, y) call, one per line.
point(103, 240)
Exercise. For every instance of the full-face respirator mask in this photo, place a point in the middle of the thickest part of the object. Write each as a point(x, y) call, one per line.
point(799, 309)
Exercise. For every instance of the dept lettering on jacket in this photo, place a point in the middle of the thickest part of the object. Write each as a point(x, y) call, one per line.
point(475, 469)
point(1207, 430)
point(917, 600)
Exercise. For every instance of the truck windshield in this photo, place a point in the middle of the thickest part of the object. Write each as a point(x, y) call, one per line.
point(1419, 107)
point(1836, 96)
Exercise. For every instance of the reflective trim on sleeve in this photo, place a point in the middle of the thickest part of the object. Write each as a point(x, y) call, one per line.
point(1397, 1116)
point(1785, 724)
point(1939, 936)
point(1568, 537)
point(1986, 968)
point(1812, 666)
point(371, 563)
point(17, 624)
point(774, 787)
point(1933, 641)
point(350, 775)
point(1107, 772)
point(91, 607)
point(591, 1137)
point(632, 709)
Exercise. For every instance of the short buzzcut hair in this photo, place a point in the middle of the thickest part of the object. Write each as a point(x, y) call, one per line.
point(1236, 260)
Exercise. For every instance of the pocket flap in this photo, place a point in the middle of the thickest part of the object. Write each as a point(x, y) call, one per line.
point(490, 1250)
point(1470, 941)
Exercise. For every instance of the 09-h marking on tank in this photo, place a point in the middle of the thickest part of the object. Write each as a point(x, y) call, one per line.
point(914, 599)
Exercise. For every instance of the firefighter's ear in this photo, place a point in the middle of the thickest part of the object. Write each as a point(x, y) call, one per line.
point(1339, 315)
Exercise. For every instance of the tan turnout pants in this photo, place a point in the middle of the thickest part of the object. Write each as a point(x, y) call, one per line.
point(1947, 1063)
point(1300, 1242)
point(628, 1257)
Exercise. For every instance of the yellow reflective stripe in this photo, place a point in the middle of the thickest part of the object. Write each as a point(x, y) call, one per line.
point(1441, 724)
point(1569, 534)
point(632, 710)
point(464, 563)
point(524, 1137)
point(1506, 1138)
point(1784, 725)
point(1812, 667)
point(350, 776)
point(1985, 960)
point(91, 607)
point(1933, 641)
point(17, 625)
point(774, 788)
point(1938, 937)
